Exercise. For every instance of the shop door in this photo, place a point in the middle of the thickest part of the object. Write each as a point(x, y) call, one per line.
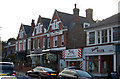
point(106, 63)
point(62, 64)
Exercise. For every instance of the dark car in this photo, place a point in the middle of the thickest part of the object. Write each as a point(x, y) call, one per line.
point(74, 74)
point(7, 70)
point(42, 73)
point(73, 67)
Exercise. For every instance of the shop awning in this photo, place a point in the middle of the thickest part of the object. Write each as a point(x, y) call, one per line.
point(35, 54)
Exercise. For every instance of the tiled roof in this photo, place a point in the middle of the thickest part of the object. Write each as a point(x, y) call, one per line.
point(67, 19)
point(28, 30)
point(113, 19)
point(45, 22)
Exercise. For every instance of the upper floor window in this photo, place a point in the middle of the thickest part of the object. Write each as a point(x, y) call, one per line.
point(91, 37)
point(33, 44)
point(55, 25)
point(86, 25)
point(29, 44)
point(55, 39)
point(24, 45)
point(104, 36)
point(20, 45)
point(98, 36)
point(116, 33)
point(39, 28)
point(62, 40)
point(21, 34)
point(16, 46)
point(43, 42)
point(48, 42)
point(38, 43)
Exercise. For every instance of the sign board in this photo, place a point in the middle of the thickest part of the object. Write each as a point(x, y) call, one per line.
point(72, 53)
point(100, 49)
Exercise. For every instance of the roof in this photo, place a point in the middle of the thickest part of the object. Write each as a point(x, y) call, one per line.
point(113, 19)
point(67, 19)
point(45, 22)
point(28, 30)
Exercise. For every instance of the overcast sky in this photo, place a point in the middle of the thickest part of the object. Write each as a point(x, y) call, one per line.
point(15, 12)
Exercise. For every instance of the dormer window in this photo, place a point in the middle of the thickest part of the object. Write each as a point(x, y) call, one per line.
point(39, 28)
point(86, 25)
point(55, 25)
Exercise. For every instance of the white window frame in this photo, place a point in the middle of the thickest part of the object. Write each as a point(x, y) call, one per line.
point(33, 44)
point(24, 44)
point(48, 43)
point(86, 25)
point(55, 39)
point(29, 44)
point(38, 43)
point(55, 25)
point(62, 40)
point(16, 46)
point(44, 42)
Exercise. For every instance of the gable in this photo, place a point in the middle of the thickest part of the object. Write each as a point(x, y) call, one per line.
point(55, 23)
point(21, 33)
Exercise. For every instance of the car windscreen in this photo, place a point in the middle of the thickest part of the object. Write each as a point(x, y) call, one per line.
point(83, 73)
point(47, 69)
point(6, 68)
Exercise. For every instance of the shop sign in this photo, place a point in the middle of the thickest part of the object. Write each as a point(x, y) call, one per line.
point(54, 33)
point(100, 49)
point(72, 53)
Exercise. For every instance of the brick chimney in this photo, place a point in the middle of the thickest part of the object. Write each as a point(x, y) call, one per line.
point(76, 14)
point(89, 14)
point(33, 24)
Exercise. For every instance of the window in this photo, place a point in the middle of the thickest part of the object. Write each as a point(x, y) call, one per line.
point(38, 43)
point(43, 42)
point(91, 37)
point(98, 36)
point(16, 46)
point(29, 44)
point(21, 34)
point(104, 36)
point(62, 40)
point(20, 45)
point(55, 41)
point(109, 35)
point(39, 28)
point(48, 42)
point(86, 25)
point(33, 44)
point(116, 33)
point(55, 25)
point(24, 45)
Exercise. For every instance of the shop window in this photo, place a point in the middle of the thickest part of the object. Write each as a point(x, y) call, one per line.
point(93, 64)
point(116, 33)
point(91, 37)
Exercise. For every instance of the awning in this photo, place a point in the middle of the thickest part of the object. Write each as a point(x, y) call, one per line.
point(35, 54)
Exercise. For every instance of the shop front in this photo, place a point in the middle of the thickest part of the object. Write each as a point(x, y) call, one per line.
point(74, 57)
point(100, 59)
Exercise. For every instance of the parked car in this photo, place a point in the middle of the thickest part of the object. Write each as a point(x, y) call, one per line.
point(73, 67)
point(7, 70)
point(74, 74)
point(42, 73)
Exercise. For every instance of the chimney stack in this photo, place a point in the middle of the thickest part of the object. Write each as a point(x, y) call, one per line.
point(33, 23)
point(89, 14)
point(76, 14)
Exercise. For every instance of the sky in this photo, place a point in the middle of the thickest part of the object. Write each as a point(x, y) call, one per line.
point(15, 12)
